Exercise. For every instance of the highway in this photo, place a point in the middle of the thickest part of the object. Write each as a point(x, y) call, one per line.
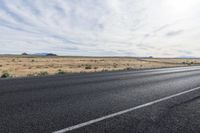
point(146, 101)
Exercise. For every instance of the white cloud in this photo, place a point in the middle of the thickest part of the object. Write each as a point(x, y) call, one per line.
point(101, 27)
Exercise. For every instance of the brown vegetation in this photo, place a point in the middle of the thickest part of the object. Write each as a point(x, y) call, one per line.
point(19, 66)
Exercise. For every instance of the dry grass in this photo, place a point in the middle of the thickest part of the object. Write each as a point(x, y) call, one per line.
point(19, 66)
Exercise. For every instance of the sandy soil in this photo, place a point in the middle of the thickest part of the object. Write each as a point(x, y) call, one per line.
point(19, 66)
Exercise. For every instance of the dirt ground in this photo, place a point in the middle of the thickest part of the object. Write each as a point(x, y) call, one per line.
point(20, 66)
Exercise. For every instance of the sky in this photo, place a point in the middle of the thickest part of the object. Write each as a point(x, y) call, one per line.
point(159, 28)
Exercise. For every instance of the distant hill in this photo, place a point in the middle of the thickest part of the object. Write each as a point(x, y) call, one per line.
point(44, 54)
point(24, 54)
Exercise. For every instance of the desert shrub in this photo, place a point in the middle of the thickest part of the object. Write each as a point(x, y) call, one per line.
point(96, 67)
point(115, 65)
point(129, 68)
point(88, 67)
point(38, 66)
point(1, 65)
point(44, 73)
point(60, 72)
point(5, 75)
point(32, 60)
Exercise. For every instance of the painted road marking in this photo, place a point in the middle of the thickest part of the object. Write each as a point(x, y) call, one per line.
point(122, 112)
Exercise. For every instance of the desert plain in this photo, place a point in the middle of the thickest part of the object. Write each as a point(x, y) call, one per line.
point(23, 66)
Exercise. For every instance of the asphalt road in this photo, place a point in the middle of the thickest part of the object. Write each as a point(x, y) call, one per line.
point(146, 101)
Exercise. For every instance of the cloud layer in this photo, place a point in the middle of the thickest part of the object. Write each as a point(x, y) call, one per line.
point(164, 28)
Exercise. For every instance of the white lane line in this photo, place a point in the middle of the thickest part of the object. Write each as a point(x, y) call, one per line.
point(122, 112)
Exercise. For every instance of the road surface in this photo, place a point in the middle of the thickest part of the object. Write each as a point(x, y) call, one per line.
point(145, 101)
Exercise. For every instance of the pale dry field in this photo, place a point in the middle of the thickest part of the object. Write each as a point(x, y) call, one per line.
point(20, 66)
